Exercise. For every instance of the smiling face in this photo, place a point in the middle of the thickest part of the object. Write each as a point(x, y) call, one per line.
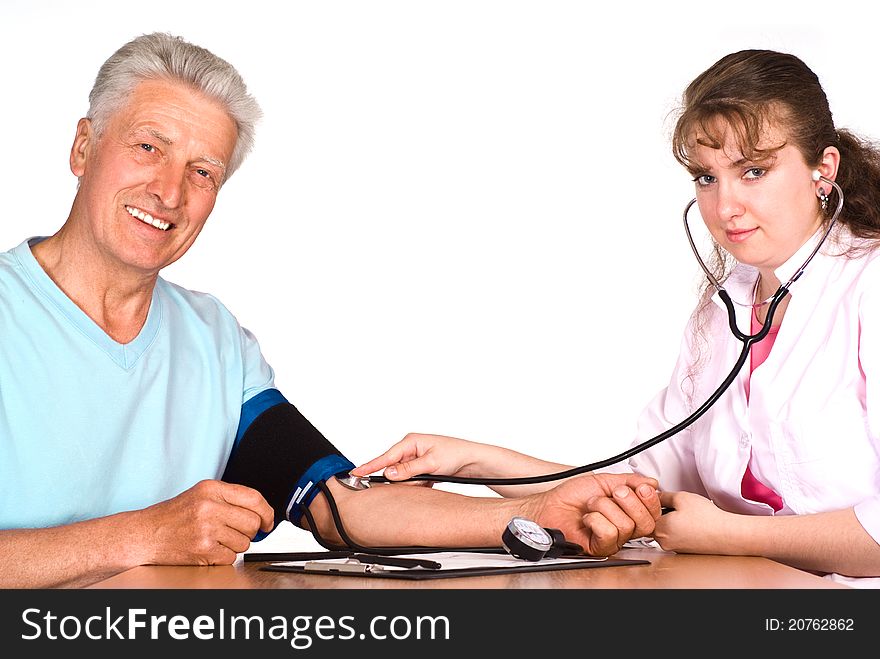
point(150, 180)
point(760, 211)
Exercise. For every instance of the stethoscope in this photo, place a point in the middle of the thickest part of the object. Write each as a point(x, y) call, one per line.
point(748, 340)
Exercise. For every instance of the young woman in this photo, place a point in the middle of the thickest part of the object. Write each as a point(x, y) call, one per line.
point(787, 463)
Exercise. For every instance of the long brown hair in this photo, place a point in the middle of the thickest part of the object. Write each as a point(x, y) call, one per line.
point(746, 91)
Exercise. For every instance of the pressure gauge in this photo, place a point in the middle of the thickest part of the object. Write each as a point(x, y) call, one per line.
point(526, 539)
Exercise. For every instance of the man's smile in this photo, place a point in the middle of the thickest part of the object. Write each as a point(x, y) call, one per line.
point(146, 218)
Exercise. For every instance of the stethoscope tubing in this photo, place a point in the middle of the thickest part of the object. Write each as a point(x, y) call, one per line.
point(748, 340)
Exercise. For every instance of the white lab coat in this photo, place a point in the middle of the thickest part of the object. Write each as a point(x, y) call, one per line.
point(812, 421)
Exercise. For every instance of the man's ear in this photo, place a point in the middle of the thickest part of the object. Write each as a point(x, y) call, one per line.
point(82, 141)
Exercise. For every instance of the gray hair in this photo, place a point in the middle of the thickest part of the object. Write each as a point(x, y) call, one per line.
point(161, 56)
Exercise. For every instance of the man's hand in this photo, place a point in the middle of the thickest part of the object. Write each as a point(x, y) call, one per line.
point(208, 524)
point(600, 512)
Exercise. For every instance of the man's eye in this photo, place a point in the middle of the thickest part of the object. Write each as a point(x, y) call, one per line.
point(704, 179)
point(755, 172)
point(148, 147)
point(203, 178)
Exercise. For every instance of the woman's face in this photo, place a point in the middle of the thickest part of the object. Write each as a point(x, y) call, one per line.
point(763, 211)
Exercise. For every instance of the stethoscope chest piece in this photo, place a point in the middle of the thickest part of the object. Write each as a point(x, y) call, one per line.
point(356, 483)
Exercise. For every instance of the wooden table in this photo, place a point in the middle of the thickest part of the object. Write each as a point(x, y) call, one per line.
point(672, 596)
point(665, 571)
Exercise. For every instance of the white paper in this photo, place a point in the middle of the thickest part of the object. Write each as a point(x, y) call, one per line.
point(462, 560)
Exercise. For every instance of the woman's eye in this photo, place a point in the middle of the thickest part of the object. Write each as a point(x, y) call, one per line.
point(704, 179)
point(755, 172)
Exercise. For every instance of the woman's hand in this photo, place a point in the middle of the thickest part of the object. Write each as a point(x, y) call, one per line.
point(429, 454)
point(693, 525)
point(419, 454)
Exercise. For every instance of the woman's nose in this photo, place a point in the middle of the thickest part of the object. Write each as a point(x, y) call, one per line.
point(729, 203)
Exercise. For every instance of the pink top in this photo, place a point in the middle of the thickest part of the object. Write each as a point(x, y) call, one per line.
point(752, 488)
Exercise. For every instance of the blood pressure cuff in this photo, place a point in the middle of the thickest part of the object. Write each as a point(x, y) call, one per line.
point(281, 455)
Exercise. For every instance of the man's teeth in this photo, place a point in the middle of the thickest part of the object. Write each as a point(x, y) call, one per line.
point(147, 218)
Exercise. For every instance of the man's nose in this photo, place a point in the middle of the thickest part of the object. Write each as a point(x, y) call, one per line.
point(167, 184)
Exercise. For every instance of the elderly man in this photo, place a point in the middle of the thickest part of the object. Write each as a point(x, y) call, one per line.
point(139, 422)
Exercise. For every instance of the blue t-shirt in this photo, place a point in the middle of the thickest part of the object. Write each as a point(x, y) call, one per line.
point(90, 427)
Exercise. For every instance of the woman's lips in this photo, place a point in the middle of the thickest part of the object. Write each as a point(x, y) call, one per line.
point(739, 235)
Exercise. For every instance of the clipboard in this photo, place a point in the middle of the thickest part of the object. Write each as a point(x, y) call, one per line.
point(332, 564)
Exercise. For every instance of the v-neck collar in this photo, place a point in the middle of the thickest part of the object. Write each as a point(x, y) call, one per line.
point(124, 354)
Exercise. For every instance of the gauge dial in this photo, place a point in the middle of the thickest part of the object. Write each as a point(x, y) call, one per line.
point(531, 531)
point(526, 539)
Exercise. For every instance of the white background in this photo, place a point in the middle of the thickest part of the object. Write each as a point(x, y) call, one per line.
point(460, 217)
